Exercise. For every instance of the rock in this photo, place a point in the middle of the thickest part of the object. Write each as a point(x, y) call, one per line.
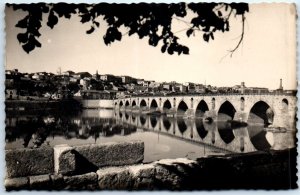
point(142, 170)
point(81, 181)
point(143, 176)
point(25, 162)
point(114, 178)
point(57, 181)
point(16, 183)
point(39, 182)
point(64, 159)
point(166, 178)
point(112, 154)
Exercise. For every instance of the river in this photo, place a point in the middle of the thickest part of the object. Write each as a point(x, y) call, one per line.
point(164, 137)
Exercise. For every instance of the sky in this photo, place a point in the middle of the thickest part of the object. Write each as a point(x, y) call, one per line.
point(268, 51)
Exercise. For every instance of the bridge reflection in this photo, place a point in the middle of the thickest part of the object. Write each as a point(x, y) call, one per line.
point(218, 134)
point(90, 125)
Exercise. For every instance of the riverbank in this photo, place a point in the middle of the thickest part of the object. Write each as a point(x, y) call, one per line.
point(256, 170)
point(40, 106)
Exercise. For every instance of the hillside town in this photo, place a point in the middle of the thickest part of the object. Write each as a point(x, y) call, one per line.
point(68, 84)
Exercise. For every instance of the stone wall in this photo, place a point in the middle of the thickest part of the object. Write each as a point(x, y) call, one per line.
point(63, 159)
point(97, 103)
point(259, 170)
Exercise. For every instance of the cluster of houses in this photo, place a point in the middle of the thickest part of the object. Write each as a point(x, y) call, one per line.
point(85, 85)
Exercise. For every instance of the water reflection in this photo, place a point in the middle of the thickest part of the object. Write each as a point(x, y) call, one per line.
point(96, 126)
point(181, 125)
point(166, 123)
point(200, 129)
point(225, 131)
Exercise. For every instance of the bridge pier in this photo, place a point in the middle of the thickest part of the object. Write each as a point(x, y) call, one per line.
point(284, 119)
point(190, 113)
point(211, 114)
point(241, 116)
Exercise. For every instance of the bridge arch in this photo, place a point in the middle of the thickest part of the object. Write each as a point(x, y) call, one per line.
point(213, 103)
point(201, 108)
point(143, 103)
point(242, 103)
point(285, 105)
point(261, 113)
point(127, 103)
point(182, 108)
point(226, 111)
point(133, 103)
point(153, 104)
point(167, 105)
point(121, 103)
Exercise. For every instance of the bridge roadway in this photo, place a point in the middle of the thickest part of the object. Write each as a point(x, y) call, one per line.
point(216, 135)
point(276, 109)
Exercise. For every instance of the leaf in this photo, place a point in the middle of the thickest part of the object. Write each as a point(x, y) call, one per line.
point(33, 41)
point(91, 30)
point(118, 35)
point(22, 37)
point(28, 47)
point(206, 37)
point(52, 20)
point(212, 36)
point(189, 32)
point(185, 50)
point(23, 23)
point(170, 50)
point(163, 48)
point(85, 18)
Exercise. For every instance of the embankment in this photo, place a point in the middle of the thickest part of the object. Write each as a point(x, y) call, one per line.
point(117, 166)
point(40, 106)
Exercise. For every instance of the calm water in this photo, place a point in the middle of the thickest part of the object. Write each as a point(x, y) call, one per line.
point(164, 137)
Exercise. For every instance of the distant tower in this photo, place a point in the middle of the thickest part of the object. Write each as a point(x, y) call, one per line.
point(59, 71)
point(97, 77)
point(280, 85)
point(242, 87)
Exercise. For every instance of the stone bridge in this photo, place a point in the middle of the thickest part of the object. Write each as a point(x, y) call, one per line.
point(276, 109)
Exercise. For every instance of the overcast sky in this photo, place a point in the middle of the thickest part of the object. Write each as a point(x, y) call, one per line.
point(266, 55)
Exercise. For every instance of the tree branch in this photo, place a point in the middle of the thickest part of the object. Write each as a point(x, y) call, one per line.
point(242, 37)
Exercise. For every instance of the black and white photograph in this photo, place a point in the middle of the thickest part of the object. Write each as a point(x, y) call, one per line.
point(150, 96)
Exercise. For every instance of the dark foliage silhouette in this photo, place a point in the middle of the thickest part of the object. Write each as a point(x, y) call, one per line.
point(146, 20)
